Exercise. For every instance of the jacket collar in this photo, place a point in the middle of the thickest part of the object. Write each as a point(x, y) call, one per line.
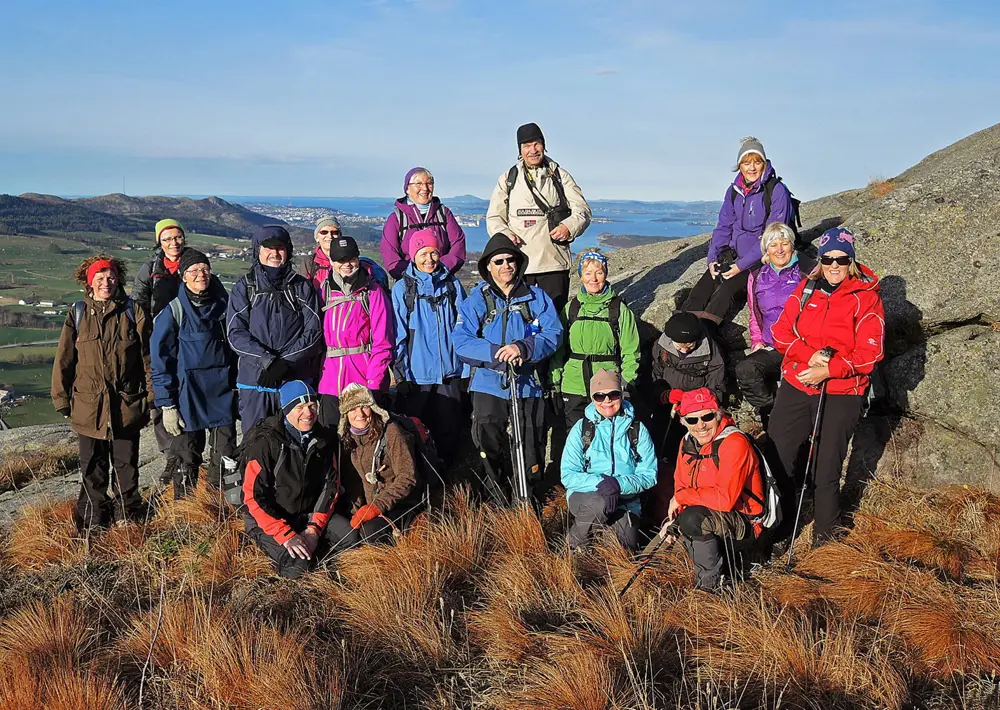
point(625, 415)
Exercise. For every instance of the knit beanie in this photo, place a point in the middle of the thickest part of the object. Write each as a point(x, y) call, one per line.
point(167, 224)
point(750, 145)
point(357, 395)
point(190, 257)
point(326, 222)
point(421, 239)
point(684, 327)
point(605, 381)
point(837, 239)
point(693, 401)
point(409, 176)
point(296, 392)
point(528, 133)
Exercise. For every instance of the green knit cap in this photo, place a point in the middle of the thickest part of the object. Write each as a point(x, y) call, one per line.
point(167, 224)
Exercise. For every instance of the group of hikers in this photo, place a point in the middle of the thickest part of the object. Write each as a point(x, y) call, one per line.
point(353, 394)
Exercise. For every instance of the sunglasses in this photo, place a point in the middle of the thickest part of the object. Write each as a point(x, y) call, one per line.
point(501, 261)
point(612, 396)
point(829, 260)
point(703, 418)
point(327, 232)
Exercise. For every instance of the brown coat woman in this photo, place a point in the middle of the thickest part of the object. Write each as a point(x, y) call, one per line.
point(101, 382)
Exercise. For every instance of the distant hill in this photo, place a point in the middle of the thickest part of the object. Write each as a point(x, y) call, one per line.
point(119, 214)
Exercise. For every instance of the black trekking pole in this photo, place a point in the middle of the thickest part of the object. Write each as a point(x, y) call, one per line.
point(646, 557)
point(810, 465)
point(520, 469)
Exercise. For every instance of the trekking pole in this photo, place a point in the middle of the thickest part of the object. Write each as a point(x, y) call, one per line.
point(647, 557)
point(520, 470)
point(810, 465)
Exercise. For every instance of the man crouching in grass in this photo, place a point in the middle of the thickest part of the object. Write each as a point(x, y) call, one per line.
point(290, 482)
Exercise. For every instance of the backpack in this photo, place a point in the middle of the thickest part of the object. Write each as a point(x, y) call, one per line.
point(80, 307)
point(410, 296)
point(770, 517)
point(522, 307)
point(377, 272)
point(589, 431)
point(253, 291)
point(796, 219)
point(429, 466)
point(403, 220)
point(613, 318)
point(563, 204)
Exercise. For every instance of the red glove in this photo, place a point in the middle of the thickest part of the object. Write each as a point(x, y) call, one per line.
point(364, 514)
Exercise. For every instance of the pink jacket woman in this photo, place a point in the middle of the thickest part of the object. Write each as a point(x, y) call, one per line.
point(358, 329)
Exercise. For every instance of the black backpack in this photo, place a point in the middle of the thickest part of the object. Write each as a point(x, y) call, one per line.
point(429, 466)
point(589, 431)
point(771, 504)
point(796, 219)
point(410, 296)
point(613, 319)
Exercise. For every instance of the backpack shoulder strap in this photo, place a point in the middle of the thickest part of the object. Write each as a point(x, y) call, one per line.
point(574, 314)
point(177, 311)
point(511, 180)
point(409, 295)
point(251, 281)
point(807, 292)
point(79, 308)
point(768, 192)
point(717, 443)
point(614, 319)
point(560, 189)
point(452, 295)
point(587, 434)
point(633, 440)
point(402, 222)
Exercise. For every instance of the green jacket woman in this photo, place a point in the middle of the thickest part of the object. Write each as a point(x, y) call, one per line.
point(601, 334)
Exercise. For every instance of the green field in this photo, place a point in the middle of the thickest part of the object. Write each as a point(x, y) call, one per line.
point(30, 379)
point(10, 336)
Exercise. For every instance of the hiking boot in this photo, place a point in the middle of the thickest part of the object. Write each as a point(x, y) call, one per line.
point(167, 477)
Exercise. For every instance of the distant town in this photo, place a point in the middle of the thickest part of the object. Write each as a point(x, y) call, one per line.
point(308, 216)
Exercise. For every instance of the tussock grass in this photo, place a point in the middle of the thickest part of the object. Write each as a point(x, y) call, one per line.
point(17, 469)
point(880, 187)
point(476, 607)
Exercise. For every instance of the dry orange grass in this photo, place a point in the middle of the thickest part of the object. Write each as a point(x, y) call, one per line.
point(44, 534)
point(579, 681)
point(880, 187)
point(47, 635)
point(25, 686)
point(16, 469)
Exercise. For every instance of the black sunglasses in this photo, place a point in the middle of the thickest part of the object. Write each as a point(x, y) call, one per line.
point(501, 261)
point(703, 418)
point(829, 260)
point(612, 396)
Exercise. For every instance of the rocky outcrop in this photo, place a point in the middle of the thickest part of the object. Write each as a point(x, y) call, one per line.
point(932, 234)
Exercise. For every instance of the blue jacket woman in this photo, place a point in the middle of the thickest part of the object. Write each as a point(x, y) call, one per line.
point(505, 328)
point(425, 302)
point(619, 457)
point(194, 373)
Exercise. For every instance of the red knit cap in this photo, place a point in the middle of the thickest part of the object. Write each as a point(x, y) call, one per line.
point(421, 239)
point(97, 266)
point(693, 401)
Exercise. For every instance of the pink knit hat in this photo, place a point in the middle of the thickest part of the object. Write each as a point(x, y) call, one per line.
point(421, 239)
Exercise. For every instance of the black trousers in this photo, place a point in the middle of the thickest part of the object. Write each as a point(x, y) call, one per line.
point(569, 409)
point(490, 416)
point(255, 406)
point(711, 299)
point(439, 407)
point(187, 449)
point(555, 284)
point(329, 411)
point(758, 375)
point(97, 458)
point(789, 429)
point(589, 517)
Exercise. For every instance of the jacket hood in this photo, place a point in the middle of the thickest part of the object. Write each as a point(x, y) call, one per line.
point(626, 413)
point(869, 281)
point(501, 243)
point(270, 231)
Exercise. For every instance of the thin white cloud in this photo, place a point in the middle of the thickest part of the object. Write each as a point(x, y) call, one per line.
point(605, 71)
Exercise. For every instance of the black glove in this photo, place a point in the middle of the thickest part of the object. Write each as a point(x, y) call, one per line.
point(274, 374)
point(64, 411)
point(404, 388)
point(610, 489)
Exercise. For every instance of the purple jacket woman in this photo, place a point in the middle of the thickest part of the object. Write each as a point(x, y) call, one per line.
point(417, 210)
point(767, 291)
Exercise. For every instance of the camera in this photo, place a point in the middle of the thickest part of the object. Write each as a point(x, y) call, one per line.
point(726, 259)
point(556, 215)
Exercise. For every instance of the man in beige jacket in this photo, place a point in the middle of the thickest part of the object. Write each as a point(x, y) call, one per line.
point(539, 206)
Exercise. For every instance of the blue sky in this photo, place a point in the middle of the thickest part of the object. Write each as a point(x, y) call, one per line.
point(642, 100)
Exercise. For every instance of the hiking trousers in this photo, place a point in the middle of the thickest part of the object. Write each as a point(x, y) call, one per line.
point(789, 429)
point(589, 518)
point(256, 406)
point(97, 459)
point(187, 450)
point(714, 539)
point(555, 284)
point(284, 564)
point(758, 375)
point(711, 299)
point(490, 417)
point(439, 407)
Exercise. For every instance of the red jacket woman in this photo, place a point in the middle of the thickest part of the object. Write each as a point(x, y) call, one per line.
point(831, 333)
